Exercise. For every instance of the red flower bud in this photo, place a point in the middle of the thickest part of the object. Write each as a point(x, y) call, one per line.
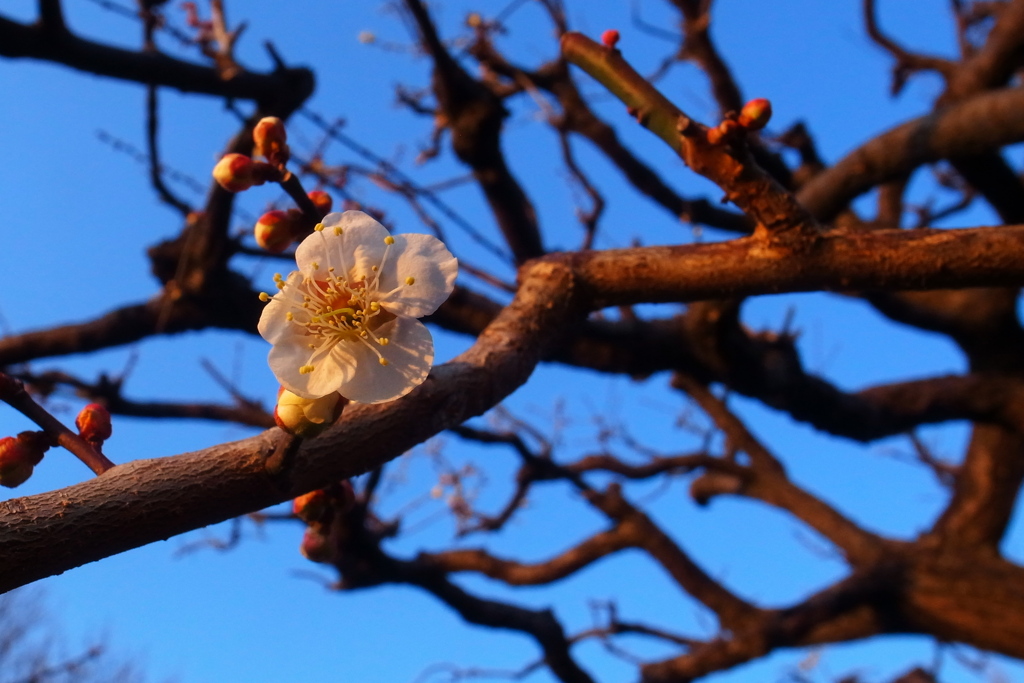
point(315, 546)
point(322, 201)
point(19, 456)
point(755, 114)
point(271, 138)
point(610, 38)
point(275, 230)
point(93, 424)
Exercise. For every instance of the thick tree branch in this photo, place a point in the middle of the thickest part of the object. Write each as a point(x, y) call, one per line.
point(980, 124)
point(273, 89)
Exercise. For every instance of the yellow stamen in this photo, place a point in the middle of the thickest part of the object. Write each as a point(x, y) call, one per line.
point(264, 297)
point(289, 317)
point(383, 361)
point(338, 230)
point(410, 280)
point(305, 369)
point(389, 240)
point(319, 227)
point(374, 306)
point(383, 341)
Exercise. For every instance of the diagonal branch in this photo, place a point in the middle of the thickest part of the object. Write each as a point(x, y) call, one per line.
point(730, 166)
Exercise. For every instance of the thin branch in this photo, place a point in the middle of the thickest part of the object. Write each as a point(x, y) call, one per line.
point(155, 168)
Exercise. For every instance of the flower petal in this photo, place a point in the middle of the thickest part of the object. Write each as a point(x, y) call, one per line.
point(432, 269)
point(274, 323)
point(331, 368)
point(410, 353)
point(327, 249)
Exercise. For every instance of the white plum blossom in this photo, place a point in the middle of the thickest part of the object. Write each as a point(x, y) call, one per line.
point(346, 320)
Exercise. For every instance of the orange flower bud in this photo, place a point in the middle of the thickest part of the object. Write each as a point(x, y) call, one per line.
point(322, 201)
point(93, 424)
point(610, 38)
point(19, 456)
point(311, 507)
point(755, 114)
point(235, 172)
point(307, 417)
point(271, 138)
point(275, 230)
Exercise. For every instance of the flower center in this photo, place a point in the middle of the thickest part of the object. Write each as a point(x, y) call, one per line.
point(339, 308)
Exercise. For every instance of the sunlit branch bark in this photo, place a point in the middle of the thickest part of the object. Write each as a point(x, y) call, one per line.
point(727, 164)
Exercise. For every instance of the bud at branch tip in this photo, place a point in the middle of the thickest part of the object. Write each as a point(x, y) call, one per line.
point(756, 114)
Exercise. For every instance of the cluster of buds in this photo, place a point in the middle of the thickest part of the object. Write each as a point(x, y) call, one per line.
point(754, 116)
point(277, 229)
point(307, 417)
point(237, 172)
point(320, 511)
point(19, 455)
point(93, 423)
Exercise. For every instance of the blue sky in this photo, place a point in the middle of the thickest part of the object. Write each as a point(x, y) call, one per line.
point(82, 214)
